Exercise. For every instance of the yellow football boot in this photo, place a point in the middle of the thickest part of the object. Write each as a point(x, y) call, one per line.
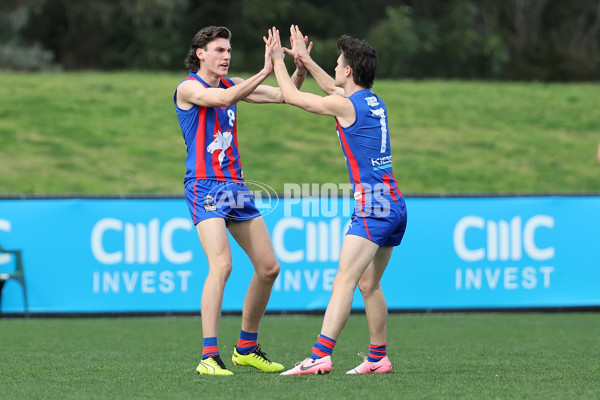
point(256, 359)
point(212, 366)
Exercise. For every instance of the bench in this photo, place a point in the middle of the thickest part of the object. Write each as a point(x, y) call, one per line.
point(18, 275)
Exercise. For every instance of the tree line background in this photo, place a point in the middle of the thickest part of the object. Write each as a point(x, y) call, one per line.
point(546, 40)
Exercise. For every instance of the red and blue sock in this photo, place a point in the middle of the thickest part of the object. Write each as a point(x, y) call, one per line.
point(247, 342)
point(377, 352)
point(210, 347)
point(323, 347)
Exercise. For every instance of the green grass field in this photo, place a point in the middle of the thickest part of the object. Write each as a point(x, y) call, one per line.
point(117, 133)
point(435, 356)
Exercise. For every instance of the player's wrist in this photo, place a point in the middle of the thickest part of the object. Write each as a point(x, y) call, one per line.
point(303, 56)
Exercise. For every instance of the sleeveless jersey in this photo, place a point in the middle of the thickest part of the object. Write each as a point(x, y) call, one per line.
point(366, 146)
point(210, 135)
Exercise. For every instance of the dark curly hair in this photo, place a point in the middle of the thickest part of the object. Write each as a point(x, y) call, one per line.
point(200, 40)
point(361, 58)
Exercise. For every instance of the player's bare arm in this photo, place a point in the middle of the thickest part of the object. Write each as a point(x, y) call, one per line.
point(193, 92)
point(271, 94)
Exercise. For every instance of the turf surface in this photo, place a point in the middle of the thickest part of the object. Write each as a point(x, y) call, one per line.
point(438, 356)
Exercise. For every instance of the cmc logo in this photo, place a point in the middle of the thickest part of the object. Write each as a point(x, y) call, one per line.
point(140, 243)
point(504, 240)
point(320, 240)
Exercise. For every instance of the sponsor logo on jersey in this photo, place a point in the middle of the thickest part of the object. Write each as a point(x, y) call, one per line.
point(381, 162)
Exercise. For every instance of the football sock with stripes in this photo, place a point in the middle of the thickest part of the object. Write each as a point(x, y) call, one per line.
point(247, 342)
point(210, 347)
point(323, 347)
point(377, 352)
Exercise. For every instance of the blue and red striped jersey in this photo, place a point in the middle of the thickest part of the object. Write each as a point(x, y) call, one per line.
point(366, 146)
point(210, 135)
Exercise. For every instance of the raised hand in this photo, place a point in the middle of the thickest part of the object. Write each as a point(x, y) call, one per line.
point(277, 52)
point(271, 43)
point(299, 43)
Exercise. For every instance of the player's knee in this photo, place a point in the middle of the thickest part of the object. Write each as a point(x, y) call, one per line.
point(269, 271)
point(345, 279)
point(367, 286)
point(221, 271)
